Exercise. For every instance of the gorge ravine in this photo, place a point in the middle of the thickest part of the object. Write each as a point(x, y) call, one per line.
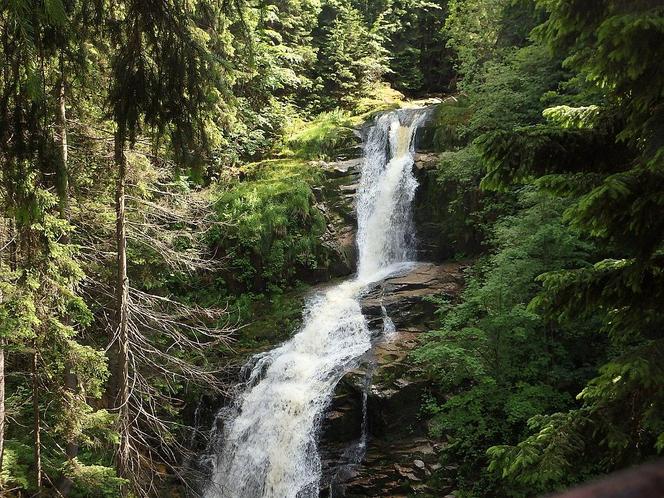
point(268, 445)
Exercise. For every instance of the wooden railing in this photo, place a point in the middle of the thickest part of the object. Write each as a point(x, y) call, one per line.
point(645, 481)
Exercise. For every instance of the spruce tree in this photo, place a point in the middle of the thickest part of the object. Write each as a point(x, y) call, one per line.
point(608, 157)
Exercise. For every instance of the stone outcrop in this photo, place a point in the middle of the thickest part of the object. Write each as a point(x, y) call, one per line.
point(336, 200)
point(404, 297)
point(381, 399)
point(425, 161)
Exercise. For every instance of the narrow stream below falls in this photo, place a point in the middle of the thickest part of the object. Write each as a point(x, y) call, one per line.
point(268, 445)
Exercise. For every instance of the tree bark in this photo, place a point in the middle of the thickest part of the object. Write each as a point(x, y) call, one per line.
point(36, 419)
point(2, 398)
point(13, 245)
point(62, 173)
point(65, 484)
point(2, 352)
point(12, 248)
point(122, 291)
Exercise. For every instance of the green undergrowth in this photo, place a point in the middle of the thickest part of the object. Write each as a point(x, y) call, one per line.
point(271, 229)
point(332, 134)
point(269, 319)
point(449, 121)
point(271, 226)
point(323, 137)
point(89, 479)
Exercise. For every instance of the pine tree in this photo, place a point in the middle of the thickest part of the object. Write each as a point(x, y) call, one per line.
point(43, 311)
point(166, 77)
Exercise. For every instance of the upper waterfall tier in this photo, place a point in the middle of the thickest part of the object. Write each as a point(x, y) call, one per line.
point(387, 188)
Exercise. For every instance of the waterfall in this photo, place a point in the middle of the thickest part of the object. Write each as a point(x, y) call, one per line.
point(267, 448)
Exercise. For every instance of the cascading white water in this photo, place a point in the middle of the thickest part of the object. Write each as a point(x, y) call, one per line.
point(387, 188)
point(268, 445)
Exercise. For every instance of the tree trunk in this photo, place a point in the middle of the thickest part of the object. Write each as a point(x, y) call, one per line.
point(62, 176)
point(65, 484)
point(36, 419)
point(122, 291)
point(62, 186)
point(2, 354)
point(12, 247)
point(2, 399)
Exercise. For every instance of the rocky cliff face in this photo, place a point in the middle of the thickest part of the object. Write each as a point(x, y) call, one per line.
point(374, 438)
point(379, 403)
point(336, 200)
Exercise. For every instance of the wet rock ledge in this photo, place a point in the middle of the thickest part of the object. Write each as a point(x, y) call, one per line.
point(385, 393)
point(336, 200)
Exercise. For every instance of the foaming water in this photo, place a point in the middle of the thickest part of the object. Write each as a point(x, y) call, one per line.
point(267, 448)
point(387, 188)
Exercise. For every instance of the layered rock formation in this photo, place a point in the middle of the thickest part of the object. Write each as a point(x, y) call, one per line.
point(336, 200)
point(336, 197)
point(374, 439)
point(379, 404)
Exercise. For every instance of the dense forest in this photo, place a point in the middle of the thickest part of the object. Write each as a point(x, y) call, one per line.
point(159, 194)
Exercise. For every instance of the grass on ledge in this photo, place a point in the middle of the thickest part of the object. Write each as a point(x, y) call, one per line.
point(332, 133)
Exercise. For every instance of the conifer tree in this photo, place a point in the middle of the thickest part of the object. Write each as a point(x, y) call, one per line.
point(350, 57)
point(42, 310)
point(608, 157)
point(166, 77)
